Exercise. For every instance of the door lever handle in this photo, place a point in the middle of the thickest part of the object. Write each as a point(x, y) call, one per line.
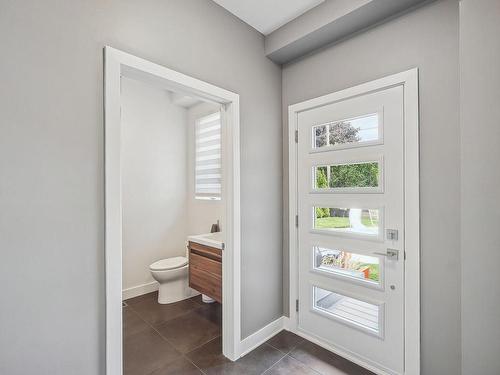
point(390, 254)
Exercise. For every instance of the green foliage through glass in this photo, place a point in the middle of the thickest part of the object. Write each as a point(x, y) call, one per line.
point(348, 175)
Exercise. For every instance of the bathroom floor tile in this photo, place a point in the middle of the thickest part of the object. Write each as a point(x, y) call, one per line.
point(285, 341)
point(212, 312)
point(132, 323)
point(198, 300)
point(180, 366)
point(145, 352)
point(155, 314)
point(290, 366)
point(324, 361)
point(153, 296)
point(193, 329)
point(209, 355)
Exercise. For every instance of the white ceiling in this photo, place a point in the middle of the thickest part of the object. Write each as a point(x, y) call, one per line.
point(268, 15)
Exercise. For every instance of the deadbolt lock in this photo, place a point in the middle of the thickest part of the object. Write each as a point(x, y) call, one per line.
point(392, 234)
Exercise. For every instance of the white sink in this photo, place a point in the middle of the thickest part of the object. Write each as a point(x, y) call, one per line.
point(209, 239)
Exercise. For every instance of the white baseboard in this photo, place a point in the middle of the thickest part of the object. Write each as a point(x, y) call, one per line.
point(261, 336)
point(289, 325)
point(139, 290)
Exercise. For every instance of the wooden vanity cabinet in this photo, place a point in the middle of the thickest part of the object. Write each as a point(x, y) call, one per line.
point(205, 270)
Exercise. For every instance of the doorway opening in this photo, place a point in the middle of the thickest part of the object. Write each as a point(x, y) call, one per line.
point(172, 237)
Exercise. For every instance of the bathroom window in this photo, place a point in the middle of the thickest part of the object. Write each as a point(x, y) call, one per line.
point(208, 165)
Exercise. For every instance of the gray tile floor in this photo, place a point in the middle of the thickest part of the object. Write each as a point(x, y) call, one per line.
point(185, 338)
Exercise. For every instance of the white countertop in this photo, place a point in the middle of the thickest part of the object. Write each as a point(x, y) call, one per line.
point(209, 239)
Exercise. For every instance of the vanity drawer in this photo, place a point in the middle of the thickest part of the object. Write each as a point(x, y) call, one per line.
point(206, 251)
point(205, 264)
point(206, 283)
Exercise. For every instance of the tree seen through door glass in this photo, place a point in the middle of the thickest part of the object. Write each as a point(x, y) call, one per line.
point(356, 175)
point(355, 130)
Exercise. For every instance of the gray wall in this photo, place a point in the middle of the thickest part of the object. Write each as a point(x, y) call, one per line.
point(480, 172)
point(428, 39)
point(51, 163)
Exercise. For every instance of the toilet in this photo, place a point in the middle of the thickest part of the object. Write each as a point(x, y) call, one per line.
point(172, 275)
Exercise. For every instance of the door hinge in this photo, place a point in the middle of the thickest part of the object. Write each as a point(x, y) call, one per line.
point(297, 305)
point(297, 221)
point(296, 136)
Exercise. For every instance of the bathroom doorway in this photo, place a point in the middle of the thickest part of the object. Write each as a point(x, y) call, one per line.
point(172, 178)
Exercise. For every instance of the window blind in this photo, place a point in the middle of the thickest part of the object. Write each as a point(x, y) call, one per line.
point(208, 162)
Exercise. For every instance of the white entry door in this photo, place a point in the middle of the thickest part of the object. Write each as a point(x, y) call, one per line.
point(351, 257)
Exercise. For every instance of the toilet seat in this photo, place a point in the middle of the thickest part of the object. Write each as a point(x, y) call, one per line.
point(169, 264)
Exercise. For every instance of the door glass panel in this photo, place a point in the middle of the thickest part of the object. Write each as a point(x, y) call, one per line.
point(347, 220)
point(353, 130)
point(320, 137)
point(343, 263)
point(347, 309)
point(353, 175)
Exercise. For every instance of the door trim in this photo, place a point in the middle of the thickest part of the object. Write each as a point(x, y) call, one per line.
point(409, 80)
point(116, 65)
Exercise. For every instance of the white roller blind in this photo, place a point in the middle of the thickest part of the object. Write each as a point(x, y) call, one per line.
point(208, 162)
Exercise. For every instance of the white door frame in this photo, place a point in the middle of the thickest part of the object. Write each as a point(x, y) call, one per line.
point(409, 81)
point(116, 65)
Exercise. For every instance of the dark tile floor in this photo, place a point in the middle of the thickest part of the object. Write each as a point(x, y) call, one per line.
point(185, 338)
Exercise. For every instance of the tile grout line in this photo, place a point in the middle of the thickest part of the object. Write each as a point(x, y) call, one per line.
point(305, 364)
point(182, 355)
point(185, 355)
point(283, 356)
point(194, 364)
point(164, 322)
point(174, 345)
point(274, 363)
point(288, 354)
point(192, 350)
point(205, 343)
point(291, 349)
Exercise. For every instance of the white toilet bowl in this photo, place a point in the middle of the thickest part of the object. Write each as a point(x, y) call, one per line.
point(172, 275)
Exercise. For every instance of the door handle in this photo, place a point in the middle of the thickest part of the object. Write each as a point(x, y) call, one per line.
point(391, 254)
